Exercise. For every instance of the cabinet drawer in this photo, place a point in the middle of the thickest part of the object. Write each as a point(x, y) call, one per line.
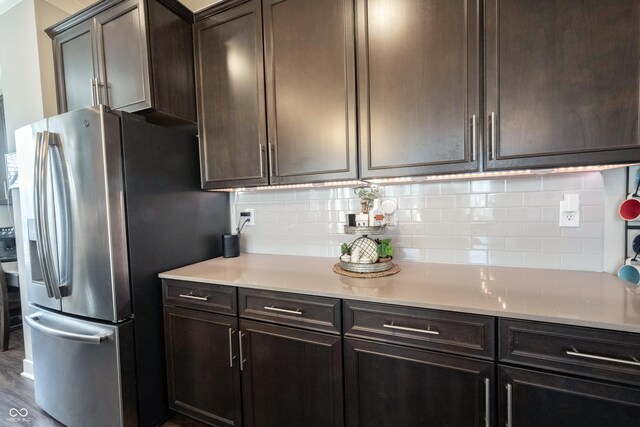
point(201, 296)
point(466, 334)
point(597, 353)
point(311, 312)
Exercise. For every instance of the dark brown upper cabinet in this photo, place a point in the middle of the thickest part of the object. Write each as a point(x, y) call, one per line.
point(230, 92)
point(562, 82)
point(310, 86)
point(133, 55)
point(419, 86)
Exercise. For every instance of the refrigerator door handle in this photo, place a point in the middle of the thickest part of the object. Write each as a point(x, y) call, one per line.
point(34, 321)
point(63, 220)
point(40, 202)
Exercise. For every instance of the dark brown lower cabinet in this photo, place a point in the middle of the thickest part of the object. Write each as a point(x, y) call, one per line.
point(533, 399)
point(203, 367)
point(290, 377)
point(389, 385)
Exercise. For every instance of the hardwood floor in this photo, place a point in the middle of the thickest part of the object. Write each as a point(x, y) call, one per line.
point(16, 393)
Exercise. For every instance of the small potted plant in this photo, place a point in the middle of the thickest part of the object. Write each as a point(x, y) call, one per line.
point(367, 194)
point(385, 250)
point(345, 250)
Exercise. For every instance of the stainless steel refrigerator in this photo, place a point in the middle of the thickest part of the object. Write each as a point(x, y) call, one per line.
point(108, 201)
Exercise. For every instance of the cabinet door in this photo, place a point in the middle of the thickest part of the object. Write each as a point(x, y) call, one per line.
point(75, 67)
point(562, 82)
point(419, 86)
point(230, 93)
point(388, 385)
point(123, 57)
point(310, 81)
point(202, 365)
point(529, 398)
point(291, 377)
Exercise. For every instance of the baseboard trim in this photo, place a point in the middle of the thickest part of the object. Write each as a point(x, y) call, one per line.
point(27, 369)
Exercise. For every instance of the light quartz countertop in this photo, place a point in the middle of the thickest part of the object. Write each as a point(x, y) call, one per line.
point(580, 298)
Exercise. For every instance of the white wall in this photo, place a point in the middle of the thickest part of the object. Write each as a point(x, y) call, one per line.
point(29, 93)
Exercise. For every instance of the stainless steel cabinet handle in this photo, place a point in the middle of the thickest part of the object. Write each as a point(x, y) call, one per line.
point(272, 159)
point(492, 119)
point(283, 310)
point(509, 405)
point(230, 348)
point(190, 296)
point(404, 328)
point(99, 87)
point(242, 360)
point(576, 353)
point(261, 148)
point(32, 320)
point(474, 138)
point(94, 97)
point(487, 402)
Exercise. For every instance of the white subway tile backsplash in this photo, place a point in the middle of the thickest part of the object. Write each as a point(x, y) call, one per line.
point(592, 246)
point(443, 201)
point(505, 199)
point(441, 229)
point(523, 214)
point(562, 245)
point(426, 215)
point(471, 201)
point(542, 198)
point(412, 202)
point(524, 244)
point(562, 182)
point(506, 258)
point(412, 228)
point(592, 180)
point(431, 188)
point(491, 243)
point(541, 260)
point(471, 257)
point(502, 221)
point(525, 183)
point(592, 213)
point(581, 262)
point(447, 256)
point(586, 229)
point(591, 197)
point(488, 186)
point(455, 187)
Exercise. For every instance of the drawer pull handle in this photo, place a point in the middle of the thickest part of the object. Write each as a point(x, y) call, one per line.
point(191, 296)
point(283, 310)
point(404, 328)
point(576, 353)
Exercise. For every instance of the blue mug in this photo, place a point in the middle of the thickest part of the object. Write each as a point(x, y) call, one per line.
point(630, 272)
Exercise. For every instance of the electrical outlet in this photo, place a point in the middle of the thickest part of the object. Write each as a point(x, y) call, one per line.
point(570, 211)
point(248, 214)
point(569, 219)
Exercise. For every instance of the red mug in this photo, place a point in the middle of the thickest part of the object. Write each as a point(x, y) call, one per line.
point(630, 209)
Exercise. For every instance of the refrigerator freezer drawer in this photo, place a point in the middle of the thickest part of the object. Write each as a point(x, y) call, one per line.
point(84, 371)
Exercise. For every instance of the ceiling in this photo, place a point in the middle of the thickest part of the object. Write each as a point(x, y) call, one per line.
point(7, 4)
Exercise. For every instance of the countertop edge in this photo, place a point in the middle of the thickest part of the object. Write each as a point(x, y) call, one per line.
point(398, 302)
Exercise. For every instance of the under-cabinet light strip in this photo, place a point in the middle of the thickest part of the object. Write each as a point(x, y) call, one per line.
point(446, 177)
